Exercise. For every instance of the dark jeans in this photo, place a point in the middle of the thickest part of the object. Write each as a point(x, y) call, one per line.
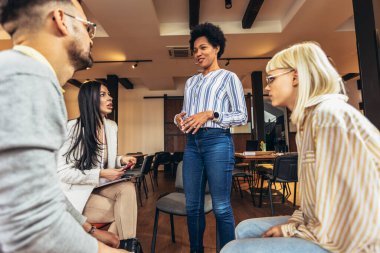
point(209, 156)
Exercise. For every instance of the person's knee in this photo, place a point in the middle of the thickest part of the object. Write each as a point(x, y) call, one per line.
point(222, 209)
point(242, 228)
point(231, 247)
point(127, 188)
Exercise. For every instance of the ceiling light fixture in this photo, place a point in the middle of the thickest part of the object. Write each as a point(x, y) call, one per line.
point(228, 4)
point(227, 63)
point(135, 65)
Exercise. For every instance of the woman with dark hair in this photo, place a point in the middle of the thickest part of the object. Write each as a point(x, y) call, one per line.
point(88, 159)
point(213, 102)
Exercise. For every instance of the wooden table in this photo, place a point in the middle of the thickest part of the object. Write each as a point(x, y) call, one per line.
point(261, 157)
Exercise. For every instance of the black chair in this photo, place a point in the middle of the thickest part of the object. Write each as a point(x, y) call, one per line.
point(176, 158)
point(139, 176)
point(285, 170)
point(160, 158)
point(240, 174)
point(175, 204)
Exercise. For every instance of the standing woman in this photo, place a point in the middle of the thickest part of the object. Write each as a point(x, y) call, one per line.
point(213, 102)
point(88, 159)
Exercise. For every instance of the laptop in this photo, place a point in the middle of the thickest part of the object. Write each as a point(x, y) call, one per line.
point(252, 145)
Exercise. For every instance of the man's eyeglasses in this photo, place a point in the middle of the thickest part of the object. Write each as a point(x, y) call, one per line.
point(271, 78)
point(91, 27)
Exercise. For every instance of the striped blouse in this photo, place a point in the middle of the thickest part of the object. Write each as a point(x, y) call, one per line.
point(219, 91)
point(339, 177)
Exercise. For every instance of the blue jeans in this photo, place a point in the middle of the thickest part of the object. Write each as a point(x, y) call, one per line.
point(248, 234)
point(209, 157)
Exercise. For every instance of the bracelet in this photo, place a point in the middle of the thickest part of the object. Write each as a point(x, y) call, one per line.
point(92, 230)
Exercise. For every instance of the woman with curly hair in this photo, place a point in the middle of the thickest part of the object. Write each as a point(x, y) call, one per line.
point(213, 102)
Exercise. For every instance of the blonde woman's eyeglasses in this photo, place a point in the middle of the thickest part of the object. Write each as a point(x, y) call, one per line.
point(271, 78)
point(90, 27)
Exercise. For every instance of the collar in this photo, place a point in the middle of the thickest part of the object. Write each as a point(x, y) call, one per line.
point(319, 99)
point(33, 53)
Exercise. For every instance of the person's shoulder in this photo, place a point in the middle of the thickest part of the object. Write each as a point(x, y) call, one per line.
point(111, 123)
point(228, 73)
point(335, 111)
point(197, 75)
point(70, 127)
point(71, 123)
point(18, 63)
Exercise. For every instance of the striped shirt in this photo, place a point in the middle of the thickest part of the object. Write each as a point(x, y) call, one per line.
point(219, 91)
point(339, 168)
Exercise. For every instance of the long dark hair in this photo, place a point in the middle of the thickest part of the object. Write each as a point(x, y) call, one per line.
point(86, 146)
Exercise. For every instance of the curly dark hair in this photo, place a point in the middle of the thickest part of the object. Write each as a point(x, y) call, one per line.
point(213, 33)
point(14, 10)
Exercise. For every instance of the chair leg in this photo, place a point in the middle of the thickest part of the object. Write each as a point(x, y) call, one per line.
point(172, 227)
point(295, 192)
point(252, 189)
point(145, 187)
point(261, 192)
point(139, 191)
point(153, 246)
point(270, 196)
point(283, 193)
point(151, 180)
point(146, 184)
point(234, 187)
point(238, 183)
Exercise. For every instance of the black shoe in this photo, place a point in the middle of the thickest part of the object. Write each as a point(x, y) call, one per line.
point(132, 245)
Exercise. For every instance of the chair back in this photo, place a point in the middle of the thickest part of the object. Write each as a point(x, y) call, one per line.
point(177, 157)
point(286, 167)
point(179, 179)
point(147, 163)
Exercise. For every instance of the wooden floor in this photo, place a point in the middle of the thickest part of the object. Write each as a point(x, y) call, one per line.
point(242, 207)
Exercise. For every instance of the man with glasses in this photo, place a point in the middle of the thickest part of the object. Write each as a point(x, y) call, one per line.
point(52, 40)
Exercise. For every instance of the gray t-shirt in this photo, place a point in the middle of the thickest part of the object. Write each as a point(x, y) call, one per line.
point(33, 211)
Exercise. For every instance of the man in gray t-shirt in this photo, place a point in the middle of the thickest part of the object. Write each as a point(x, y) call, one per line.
point(52, 40)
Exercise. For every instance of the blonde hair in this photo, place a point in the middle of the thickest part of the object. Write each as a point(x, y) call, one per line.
point(316, 75)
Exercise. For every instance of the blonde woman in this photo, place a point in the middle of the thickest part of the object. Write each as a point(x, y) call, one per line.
point(339, 164)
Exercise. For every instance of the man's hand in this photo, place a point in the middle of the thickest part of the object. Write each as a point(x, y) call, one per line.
point(107, 238)
point(194, 122)
point(274, 232)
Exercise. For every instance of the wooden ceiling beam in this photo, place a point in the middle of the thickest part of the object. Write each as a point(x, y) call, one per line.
point(75, 82)
point(126, 83)
point(251, 12)
point(194, 7)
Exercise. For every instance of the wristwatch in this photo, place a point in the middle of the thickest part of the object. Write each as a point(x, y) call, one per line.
point(216, 116)
point(92, 230)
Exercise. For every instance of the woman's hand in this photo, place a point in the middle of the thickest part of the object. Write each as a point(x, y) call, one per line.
point(274, 232)
point(179, 120)
point(126, 160)
point(111, 174)
point(194, 122)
